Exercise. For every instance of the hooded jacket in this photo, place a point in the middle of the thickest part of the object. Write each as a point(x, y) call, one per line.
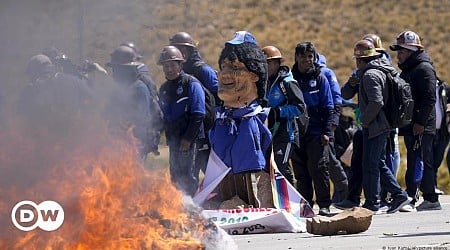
point(286, 105)
point(418, 70)
point(318, 99)
point(196, 67)
point(372, 96)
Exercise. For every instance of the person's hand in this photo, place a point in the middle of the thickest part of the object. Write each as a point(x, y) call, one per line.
point(184, 145)
point(324, 139)
point(100, 69)
point(418, 129)
point(353, 81)
point(333, 127)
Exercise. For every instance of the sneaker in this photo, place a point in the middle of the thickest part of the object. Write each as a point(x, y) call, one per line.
point(407, 208)
point(438, 191)
point(384, 206)
point(324, 211)
point(345, 204)
point(398, 203)
point(375, 210)
point(428, 206)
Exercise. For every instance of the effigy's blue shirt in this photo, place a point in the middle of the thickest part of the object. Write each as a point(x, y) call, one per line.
point(241, 139)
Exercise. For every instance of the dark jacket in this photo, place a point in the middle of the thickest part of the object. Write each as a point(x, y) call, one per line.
point(419, 72)
point(286, 105)
point(318, 98)
point(372, 96)
point(129, 107)
point(207, 76)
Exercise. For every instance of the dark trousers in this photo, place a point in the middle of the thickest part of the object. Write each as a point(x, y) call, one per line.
point(202, 150)
point(337, 175)
point(282, 153)
point(355, 178)
point(310, 163)
point(376, 173)
point(420, 174)
point(440, 142)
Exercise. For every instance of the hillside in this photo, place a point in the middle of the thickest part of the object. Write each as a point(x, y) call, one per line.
point(88, 29)
point(95, 28)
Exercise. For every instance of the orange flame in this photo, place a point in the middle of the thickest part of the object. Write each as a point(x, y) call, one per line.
point(110, 199)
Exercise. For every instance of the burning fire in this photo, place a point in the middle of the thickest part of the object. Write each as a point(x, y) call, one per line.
point(110, 200)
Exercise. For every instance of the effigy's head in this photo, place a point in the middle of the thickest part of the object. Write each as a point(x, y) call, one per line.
point(242, 71)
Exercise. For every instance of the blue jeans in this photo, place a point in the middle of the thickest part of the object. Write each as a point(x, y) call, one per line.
point(375, 172)
point(182, 171)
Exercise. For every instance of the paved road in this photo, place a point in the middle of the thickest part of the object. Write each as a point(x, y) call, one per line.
point(399, 231)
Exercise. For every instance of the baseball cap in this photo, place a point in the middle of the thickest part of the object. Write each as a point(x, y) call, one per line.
point(241, 37)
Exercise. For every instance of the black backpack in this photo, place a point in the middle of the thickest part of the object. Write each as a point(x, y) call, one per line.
point(399, 107)
point(210, 103)
point(197, 68)
point(301, 122)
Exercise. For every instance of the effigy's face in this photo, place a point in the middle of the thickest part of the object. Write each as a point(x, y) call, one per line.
point(237, 85)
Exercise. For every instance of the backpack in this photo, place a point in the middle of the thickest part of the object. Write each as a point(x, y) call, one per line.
point(442, 101)
point(210, 104)
point(197, 69)
point(399, 107)
point(301, 122)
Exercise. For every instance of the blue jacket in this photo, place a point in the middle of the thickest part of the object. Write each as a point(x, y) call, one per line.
point(286, 105)
point(240, 138)
point(130, 107)
point(334, 85)
point(318, 98)
point(196, 67)
point(183, 106)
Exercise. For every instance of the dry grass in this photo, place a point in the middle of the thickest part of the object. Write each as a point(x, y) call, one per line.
point(333, 25)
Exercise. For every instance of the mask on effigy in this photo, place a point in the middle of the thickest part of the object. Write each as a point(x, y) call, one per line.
point(243, 71)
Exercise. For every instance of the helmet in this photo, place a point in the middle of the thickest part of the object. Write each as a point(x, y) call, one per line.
point(407, 40)
point(123, 55)
point(182, 38)
point(39, 65)
point(170, 53)
point(272, 52)
point(363, 49)
point(132, 46)
point(54, 54)
point(376, 40)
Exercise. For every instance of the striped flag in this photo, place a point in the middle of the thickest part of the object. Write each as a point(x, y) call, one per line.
point(285, 196)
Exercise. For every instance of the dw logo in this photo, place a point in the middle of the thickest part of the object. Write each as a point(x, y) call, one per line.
point(27, 215)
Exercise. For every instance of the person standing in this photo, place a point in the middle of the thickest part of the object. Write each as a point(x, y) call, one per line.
point(195, 66)
point(417, 69)
point(286, 101)
point(442, 136)
point(375, 128)
point(132, 105)
point(337, 173)
point(143, 74)
point(310, 159)
point(182, 101)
